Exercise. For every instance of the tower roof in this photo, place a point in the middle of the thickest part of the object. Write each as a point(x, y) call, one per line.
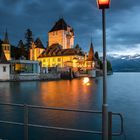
point(38, 43)
point(59, 25)
point(91, 53)
point(6, 40)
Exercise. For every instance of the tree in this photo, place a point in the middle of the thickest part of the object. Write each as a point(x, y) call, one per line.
point(97, 55)
point(22, 50)
point(15, 52)
point(29, 38)
point(109, 66)
point(78, 47)
point(100, 63)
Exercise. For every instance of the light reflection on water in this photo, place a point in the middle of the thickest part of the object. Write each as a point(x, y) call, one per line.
point(86, 81)
point(122, 97)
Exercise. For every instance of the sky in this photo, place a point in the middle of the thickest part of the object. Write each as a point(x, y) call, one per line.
point(122, 22)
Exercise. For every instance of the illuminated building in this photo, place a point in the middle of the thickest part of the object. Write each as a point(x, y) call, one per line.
point(60, 51)
point(61, 34)
point(56, 56)
point(90, 61)
point(36, 49)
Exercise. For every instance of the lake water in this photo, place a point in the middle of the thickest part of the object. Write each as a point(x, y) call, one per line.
point(123, 97)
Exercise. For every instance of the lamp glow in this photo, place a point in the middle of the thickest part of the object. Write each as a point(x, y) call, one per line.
point(103, 4)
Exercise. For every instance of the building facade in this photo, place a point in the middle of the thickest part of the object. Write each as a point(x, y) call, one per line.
point(62, 34)
point(55, 56)
point(60, 51)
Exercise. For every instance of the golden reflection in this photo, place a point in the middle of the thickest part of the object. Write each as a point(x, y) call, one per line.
point(86, 81)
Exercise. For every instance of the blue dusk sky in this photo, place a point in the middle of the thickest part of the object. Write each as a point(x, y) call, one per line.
point(122, 19)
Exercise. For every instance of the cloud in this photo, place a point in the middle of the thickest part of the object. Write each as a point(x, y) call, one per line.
point(123, 20)
point(124, 50)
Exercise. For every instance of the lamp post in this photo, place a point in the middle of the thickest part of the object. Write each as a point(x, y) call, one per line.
point(104, 4)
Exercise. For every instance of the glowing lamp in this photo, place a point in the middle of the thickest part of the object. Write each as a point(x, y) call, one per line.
point(103, 4)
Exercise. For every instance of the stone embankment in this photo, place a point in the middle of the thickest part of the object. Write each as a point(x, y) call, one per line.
point(34, 77)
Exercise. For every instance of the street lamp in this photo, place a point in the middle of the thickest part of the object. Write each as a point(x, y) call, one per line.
point(104, 4)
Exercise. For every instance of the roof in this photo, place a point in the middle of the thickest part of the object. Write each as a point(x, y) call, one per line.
point(6, 40)
point(56, 50)
point(38, 43)
point(60, 25)
point(91, 53)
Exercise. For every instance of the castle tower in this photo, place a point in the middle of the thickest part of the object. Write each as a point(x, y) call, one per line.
point(91, 53)
point(6, 47)
point(61, 34)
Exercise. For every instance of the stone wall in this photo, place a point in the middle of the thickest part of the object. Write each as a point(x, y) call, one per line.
point(18, 77)
point(34, 77)
point(50, 76)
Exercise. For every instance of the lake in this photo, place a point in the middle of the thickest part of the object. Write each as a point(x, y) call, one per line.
point(123, 97)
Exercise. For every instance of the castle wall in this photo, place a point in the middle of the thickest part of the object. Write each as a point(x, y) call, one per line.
point(4, 71)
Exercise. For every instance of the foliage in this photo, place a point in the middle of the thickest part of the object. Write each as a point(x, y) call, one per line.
point(109, 66)
point(97, 55)
point(29, 38)
point(22, 50)
point(78, 47)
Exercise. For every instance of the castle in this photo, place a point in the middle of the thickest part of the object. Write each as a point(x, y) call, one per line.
point(60, 51)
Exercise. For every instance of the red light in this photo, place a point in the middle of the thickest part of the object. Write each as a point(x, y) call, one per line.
point(103, 4)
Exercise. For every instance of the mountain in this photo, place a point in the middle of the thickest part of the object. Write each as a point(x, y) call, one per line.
point(125, 63)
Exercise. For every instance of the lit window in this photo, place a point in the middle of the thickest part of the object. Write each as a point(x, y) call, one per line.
point(44, 60)
point(4, 68)
point(59, 59)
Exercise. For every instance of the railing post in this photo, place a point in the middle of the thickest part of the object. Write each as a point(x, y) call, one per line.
point(109, 125)
point(25, 122)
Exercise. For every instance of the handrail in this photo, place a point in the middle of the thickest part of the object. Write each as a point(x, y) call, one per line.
point(52, 127)
point(122, 124)
point(26, 124)
point(52, 108)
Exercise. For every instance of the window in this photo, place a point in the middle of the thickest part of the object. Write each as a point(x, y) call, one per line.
point(59, 59)
point(4, 68)
point(48, 60)
point(44, 60)
point(53, 59)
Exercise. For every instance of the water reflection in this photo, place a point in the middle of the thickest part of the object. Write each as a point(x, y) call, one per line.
point(67, 93)
point(86, 81)
point(63, 93)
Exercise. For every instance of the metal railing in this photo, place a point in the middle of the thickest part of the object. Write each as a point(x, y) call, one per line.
point(26, 123)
